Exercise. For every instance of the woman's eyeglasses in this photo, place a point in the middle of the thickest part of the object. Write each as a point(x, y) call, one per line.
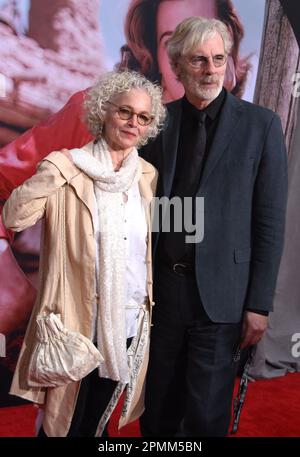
point(125, 113)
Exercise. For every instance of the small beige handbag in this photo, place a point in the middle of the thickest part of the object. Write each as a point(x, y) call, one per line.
point(60, 356)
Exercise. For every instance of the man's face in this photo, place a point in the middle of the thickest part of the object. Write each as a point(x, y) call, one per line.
point(169, 14)
point(206, 82)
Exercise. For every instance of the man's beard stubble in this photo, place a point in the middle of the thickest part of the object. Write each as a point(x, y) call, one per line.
point(198, 90)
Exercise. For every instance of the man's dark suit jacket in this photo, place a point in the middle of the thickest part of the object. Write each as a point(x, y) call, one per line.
point(244, 185)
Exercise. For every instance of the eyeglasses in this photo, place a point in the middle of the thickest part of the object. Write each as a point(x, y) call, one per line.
point(125, 113)
point(201, 61)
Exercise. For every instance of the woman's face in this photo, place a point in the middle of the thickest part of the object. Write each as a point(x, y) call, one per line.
point(169, 14)
point(123, 135)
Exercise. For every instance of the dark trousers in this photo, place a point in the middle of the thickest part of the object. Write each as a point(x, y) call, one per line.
point(191, 369)
point(93, 398)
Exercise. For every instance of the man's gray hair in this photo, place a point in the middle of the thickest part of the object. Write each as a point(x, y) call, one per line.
point(192, 32)
point(117, 82)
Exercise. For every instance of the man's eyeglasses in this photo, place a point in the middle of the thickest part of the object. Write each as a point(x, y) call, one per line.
point(125, 113)
point(201, 61)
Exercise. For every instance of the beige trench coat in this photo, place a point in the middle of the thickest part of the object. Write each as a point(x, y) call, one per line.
point(63, 195)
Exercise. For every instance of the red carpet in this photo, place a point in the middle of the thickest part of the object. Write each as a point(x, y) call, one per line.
point(272, 408)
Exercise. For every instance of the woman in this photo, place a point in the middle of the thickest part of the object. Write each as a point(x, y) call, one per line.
point(95, 202)
point(149, 24)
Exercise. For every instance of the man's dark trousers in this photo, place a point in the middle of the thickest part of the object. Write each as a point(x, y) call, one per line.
point(192, 368)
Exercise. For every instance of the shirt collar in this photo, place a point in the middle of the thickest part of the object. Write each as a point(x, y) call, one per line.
point(212, 110)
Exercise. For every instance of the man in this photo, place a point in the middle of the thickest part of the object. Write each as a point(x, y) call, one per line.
point(212, 298)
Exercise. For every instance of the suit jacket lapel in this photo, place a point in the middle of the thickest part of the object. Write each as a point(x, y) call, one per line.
point(170, 138)
point(229, 118)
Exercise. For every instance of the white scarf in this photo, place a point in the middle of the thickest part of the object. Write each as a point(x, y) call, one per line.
point(109, 186)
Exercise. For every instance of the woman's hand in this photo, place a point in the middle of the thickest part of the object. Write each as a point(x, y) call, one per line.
point(66, 153)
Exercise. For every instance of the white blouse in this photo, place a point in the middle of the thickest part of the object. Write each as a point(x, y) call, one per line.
point(135, 239)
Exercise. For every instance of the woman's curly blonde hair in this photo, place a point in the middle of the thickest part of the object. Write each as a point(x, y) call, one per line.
point(116, 82)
